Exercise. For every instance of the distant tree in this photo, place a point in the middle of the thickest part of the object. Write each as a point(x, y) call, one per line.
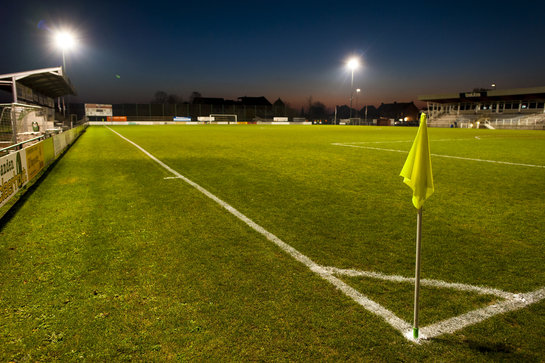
point(309, 106)
point(172, 99)
point(159, 97)
point(194, 95)
point(290, 112)
point(317, 111)
point(343, 112)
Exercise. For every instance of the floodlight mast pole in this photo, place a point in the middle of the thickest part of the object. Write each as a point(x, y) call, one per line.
point(63, 61)
point(65, 40)
point(64, 74)
point(351, 91)
point(353, 63)
point(358, 106)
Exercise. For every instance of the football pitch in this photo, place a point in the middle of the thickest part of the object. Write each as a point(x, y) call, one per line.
point(235, 243)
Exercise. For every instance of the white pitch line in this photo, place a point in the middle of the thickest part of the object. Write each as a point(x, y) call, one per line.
point(476, 316)
point(377, 309)
point(442, 156)
point(447, 326)
point(423, 282)
point(396, 141)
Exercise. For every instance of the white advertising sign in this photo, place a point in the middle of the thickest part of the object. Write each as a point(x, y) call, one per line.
point(13, 175)
point(97, 109)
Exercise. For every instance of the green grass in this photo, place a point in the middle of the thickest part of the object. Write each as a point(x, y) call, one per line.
point(106, 259)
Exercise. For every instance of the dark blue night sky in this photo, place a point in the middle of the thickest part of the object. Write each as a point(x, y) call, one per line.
point(292, 50)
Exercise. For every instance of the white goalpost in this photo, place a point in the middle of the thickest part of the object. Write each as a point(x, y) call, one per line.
point(224, 118)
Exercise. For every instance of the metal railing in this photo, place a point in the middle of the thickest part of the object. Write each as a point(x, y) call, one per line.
point(19, 145)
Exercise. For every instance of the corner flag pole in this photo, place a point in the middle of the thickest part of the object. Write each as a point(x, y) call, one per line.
point(418, 176)
point(417, 272)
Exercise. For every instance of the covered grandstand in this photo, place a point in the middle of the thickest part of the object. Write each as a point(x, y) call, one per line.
point(519, 108)
point(31, 111)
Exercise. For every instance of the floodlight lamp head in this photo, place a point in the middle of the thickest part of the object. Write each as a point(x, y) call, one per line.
point(65, 40)
point(353, 63)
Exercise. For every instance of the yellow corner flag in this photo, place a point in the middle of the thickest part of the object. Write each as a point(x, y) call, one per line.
point(417, 169)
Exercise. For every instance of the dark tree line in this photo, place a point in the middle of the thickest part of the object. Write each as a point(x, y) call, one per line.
point(163, 97)
point(314, 110)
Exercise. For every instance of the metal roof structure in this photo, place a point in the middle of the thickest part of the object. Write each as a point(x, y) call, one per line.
point(51, 82)
point(488, 95)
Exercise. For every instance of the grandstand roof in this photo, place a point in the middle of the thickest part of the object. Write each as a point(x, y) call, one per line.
point(488, 95)
point(51, 82)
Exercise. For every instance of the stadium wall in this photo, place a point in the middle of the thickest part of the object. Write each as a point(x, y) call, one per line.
point(166, 112)
point(118, 123)
point(24, 166)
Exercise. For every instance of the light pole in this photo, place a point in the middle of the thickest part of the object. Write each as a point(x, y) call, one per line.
point(65, 41)
point(352, 64)
point(357, 105)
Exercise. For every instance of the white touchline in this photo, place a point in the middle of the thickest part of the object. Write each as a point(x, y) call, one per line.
point(440, 155)
point(514, 302)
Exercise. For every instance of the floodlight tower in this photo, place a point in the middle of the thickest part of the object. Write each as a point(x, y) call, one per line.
point(352, 64)
point(357, 104)
point(65, 41)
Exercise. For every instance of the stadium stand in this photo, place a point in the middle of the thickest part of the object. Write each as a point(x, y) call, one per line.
point(31, 111)
point(521, 108)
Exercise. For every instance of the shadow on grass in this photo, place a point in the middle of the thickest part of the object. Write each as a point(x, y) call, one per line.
point(491, 349)
point(22, 196)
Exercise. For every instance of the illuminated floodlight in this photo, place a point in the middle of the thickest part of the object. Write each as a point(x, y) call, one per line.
point(353, 63)
point(65, 40)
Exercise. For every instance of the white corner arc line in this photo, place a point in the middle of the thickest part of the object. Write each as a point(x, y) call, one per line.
point(396, 322)
point(442, 156)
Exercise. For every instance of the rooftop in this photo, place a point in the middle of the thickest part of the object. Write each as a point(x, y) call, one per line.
point(51, 82)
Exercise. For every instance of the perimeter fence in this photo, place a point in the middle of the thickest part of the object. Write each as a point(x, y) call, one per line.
point(20, 166)
point(166, 111)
